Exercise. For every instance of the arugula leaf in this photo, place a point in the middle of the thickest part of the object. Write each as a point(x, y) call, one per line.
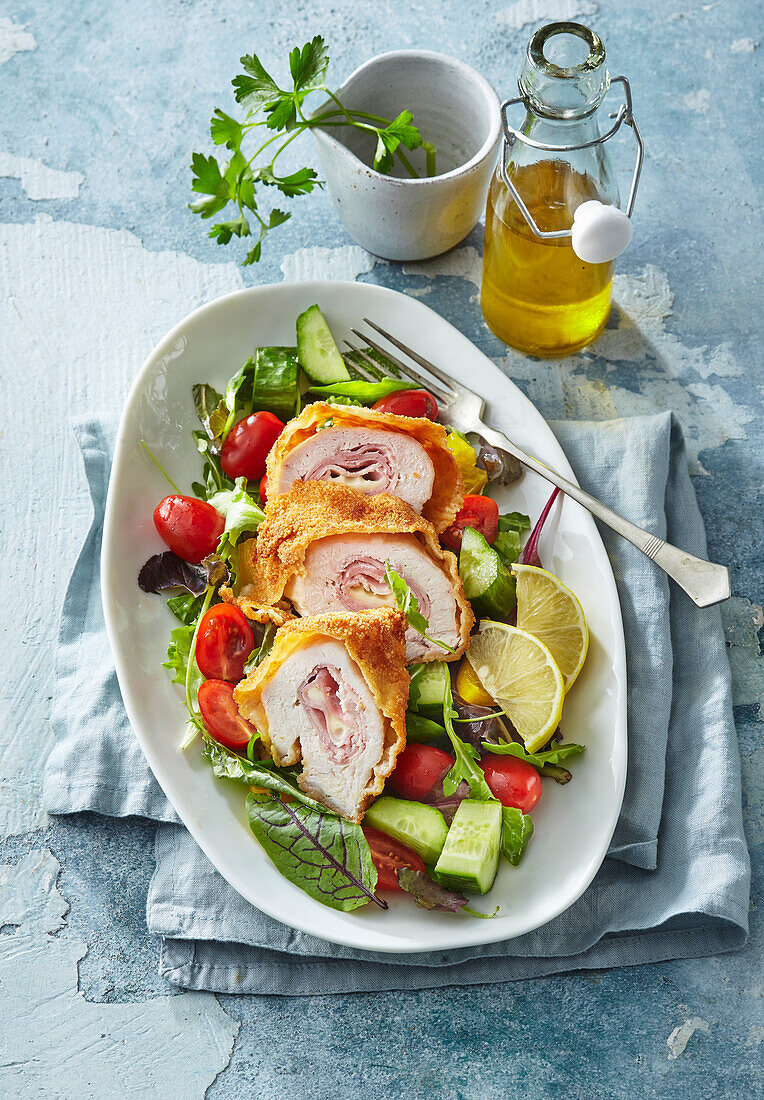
point(254, 773)
point(364, 392)
point(406, 600)
point(409, 605)
point(327, 857)
point(276, 385)
point(516, 831)
point(466, 766)
point(538, 759)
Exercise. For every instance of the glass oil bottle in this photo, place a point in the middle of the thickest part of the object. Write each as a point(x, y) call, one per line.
point(538, 294)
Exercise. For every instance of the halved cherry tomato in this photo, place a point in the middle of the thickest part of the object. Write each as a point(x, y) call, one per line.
point(417, 770)
point(482, 513)
point(389, 856)
point(221, 715)
point(224, 642)
point(189, 526)
point(514, 782)
point(409, 403)
point(247, 444)
point(263, 490)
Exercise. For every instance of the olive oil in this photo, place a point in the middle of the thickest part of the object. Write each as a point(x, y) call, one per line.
point(537, 295)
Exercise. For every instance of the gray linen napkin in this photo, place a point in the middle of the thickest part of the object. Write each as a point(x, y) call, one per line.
point(675, 884)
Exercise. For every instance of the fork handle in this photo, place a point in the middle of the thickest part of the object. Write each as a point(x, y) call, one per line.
point(703, 581)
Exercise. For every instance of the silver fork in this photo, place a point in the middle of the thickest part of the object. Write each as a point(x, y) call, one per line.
point(703, 581)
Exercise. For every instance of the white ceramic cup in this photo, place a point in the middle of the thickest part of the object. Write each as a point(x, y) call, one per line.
point(397, 217)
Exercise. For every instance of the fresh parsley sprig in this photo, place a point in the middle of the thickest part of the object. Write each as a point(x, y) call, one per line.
point(271, 108)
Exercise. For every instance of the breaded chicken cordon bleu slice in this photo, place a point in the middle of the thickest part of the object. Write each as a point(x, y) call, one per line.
point(324, 547)
point(373, 452)
point(332, 694)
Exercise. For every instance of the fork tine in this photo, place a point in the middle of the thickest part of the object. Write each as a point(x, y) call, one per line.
point(363, 371)
point(448, 382)
point(406, 370)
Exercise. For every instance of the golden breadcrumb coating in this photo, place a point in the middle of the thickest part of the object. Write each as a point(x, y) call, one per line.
point(314, 510)
point(448, 487)
point(375, 640)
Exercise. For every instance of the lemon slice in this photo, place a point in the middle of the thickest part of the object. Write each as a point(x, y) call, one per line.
point(519, 672)
point(549, 611)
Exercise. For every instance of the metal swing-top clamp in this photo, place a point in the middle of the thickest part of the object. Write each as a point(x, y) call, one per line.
point(599, 233)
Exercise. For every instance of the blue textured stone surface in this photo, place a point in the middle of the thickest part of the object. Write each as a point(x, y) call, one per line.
point(121, 94)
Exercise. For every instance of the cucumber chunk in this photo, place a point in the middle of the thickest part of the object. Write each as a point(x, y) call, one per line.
point(428, 686)
point(470, 856)
point(422, 828)
point(319, 356)
point(488, 584)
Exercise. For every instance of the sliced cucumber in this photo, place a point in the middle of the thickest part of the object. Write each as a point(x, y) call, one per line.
point(318, 352)
point(422, 828)
point(488, 584)
point(470, 856)
point(428, 686)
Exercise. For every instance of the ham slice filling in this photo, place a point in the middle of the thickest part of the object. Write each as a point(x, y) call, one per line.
point(334, 711)
point(362, 585)
point(361, 467)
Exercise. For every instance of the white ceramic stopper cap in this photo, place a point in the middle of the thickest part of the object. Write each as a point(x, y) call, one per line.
point(600, 233)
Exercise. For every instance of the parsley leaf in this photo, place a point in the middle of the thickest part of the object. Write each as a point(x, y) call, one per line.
point(308, 66)
point(255, 87)
point(280, 111)
point(225, 130)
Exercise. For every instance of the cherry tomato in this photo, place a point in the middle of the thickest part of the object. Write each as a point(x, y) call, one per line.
point(409, 403)
point(514, 782)
point(221, 715)
point(389, 856)
point(417, 770)
point(189, 526)
point(263, 490)
point(482, 513)
point(224, 642)
point(247, 444)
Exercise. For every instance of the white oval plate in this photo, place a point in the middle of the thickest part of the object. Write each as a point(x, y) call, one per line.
point(573, 824)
